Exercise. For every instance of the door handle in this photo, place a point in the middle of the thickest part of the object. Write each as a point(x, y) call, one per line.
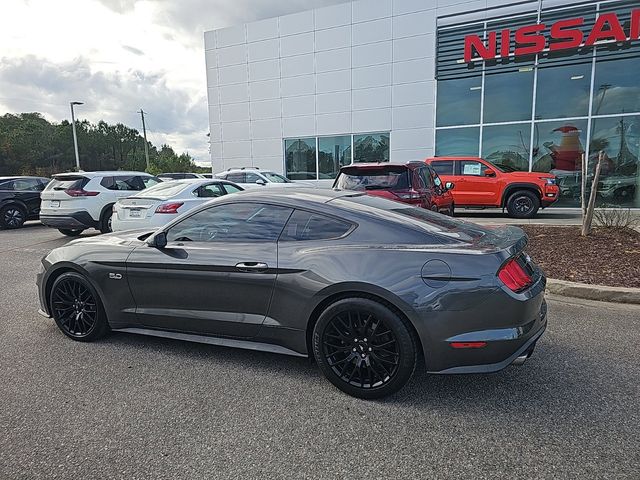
point(252, 266)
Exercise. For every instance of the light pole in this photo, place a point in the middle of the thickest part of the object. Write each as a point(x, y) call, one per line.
point(75, 137)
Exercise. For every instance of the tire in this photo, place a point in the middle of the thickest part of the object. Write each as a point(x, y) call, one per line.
point(76, 308)
point(452, 210)
point(364, 348)
point(105, 220)
point(70, 233)
point(12, 217)
point(523, 204)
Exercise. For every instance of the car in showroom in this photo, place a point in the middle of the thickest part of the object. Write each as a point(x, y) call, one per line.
point(20, 200)
point(481, 184)
point(254, 177)
point(158, 205)
point(413, 182)
point(364, 285)
point(74, 202)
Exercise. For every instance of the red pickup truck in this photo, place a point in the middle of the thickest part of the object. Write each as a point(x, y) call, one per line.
point(479, 183)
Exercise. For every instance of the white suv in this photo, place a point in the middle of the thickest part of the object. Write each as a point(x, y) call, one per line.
point(253, 177)
point(73, 202)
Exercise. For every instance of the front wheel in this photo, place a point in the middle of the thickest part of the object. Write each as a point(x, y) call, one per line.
point(523, 204)
point(76, 308)
point(364, 348)
point(70, 233)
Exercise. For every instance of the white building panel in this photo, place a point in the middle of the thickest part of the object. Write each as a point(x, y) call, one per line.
point(233, 131)
point(376, 76)
point(298, 65)
point(365, 10)
point(264, 50)
point(265, 70)
point(226, 37)
point(265, 90)
point(371, 54)
point(299, 126)
point(370, 32)
point(297, 106)
point(333, 38)
point(233, 74)
point(333, 81)
point(332, 60)
point(333, 123)
point(264, 109)
point(369, 98)
point(296, 23)
point(233, 93)
point(333, 102)
point(372, 120)
point(232, 55)
point(262, 30)
point(296, 44)
point(294, 86)
point(262, 129)
point(333, 16)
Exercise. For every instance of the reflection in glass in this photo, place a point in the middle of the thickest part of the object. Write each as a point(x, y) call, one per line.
point(617, 86)
point(563, 91)
point(371, 147)
point(459, 101)
point(300, 158)
point(507, 145)
point(508, 96)
point(333, 153)
point(558, 148)
point(452, 142)
point(619, 137)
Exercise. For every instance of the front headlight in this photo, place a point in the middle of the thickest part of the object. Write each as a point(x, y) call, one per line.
point(549, 181)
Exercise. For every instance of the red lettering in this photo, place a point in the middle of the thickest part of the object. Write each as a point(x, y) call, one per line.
point(474, 42)
point(634, 32)
point(572, 37)
point(614, 31)
point(531, 39)
point(505, 42)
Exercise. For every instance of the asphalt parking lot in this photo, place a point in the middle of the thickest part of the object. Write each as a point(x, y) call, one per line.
point(138, 407)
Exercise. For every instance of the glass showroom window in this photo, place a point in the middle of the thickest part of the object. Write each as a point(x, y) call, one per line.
point(508, 96)
point(619, 137)
point(371, 147)
point(459, 101)
point(333, 153)
point(507, 146)
point(617, 86)
point(300, 158)
point(461, 142)
point(563, 91)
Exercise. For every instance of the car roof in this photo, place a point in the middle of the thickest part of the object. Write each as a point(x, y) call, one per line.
point(106, 173)
point(408, 165)
point(17, 177)
point(296, 196)
point(453, 158)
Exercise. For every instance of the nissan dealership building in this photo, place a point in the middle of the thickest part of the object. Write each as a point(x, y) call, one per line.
point(527, 85)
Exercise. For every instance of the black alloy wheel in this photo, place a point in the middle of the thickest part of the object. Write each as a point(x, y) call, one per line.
point(12, 216)
point(523, 204)
point(364, 348)
point(106, 219)
point(76, 308)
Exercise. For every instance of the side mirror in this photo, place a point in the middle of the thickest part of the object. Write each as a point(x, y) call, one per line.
point(261, 182)
point(489, 173)
point(159, 240)
point(449, 185)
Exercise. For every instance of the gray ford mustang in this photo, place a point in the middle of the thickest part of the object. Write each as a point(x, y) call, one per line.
point(365, 285)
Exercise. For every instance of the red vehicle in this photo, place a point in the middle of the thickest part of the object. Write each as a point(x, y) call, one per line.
point(480, 183)
point(414, 183)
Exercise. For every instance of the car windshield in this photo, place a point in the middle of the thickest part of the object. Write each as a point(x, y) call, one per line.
point(415, 217)
point(373, 178)
point(275, 177)
point(501, 167)
point(164, 189)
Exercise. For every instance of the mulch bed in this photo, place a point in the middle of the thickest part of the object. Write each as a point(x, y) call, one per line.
point(606, 257)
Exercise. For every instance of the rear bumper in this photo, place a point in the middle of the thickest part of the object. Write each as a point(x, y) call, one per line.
point(73, 221)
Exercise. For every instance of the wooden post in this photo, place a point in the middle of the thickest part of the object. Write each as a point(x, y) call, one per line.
point(588, 218)
point(583, 187)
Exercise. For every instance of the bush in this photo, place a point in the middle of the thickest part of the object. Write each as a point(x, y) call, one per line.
point(610, 216)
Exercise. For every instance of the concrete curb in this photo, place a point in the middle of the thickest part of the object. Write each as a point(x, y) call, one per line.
point(594, 292)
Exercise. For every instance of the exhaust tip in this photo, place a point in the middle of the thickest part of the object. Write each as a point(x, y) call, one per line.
point(524, 357)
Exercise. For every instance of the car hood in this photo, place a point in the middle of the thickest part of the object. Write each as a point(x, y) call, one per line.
point(124, 237)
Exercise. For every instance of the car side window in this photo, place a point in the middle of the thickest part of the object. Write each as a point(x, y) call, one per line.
point(209, 191)
point(129, 182)
point(6, 185)
point(443, 167)
point(472, 168)
point(231, 188)
point(305, 225)
point(236, 177)
point(425, 175)
point(251, 178)
point(26, 185)
point(149, 181)
point(235, 222)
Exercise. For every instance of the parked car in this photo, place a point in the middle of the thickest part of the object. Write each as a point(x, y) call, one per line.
point(178, 176)
point(74, 202)
point(158, 205)
point(254, 177)
point(414, 183)
point(365, 285)
point(20, 200)
point(480, 183)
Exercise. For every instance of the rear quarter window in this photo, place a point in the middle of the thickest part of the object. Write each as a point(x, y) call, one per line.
point(303, 225)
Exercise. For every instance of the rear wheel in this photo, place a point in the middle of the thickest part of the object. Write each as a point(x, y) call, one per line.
point(76, 308)
point(70, 233)
point(105, 220)
point(523, 204)
point(12, 216)
point(364, 348)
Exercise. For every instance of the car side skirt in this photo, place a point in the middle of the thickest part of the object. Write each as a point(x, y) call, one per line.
point(224, 342)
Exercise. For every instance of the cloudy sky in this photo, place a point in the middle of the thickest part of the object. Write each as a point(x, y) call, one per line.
point(117, 56)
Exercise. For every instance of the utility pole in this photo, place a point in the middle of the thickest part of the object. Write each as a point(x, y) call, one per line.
point(75, 137)
point(144, 132)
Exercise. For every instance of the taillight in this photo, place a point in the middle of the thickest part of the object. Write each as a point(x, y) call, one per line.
point(169, 207)
point(407, 195)
point(79, 192)
point(514, 276)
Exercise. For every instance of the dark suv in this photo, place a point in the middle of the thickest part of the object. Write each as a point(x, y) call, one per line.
point(414, 182)
point(20, 200)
